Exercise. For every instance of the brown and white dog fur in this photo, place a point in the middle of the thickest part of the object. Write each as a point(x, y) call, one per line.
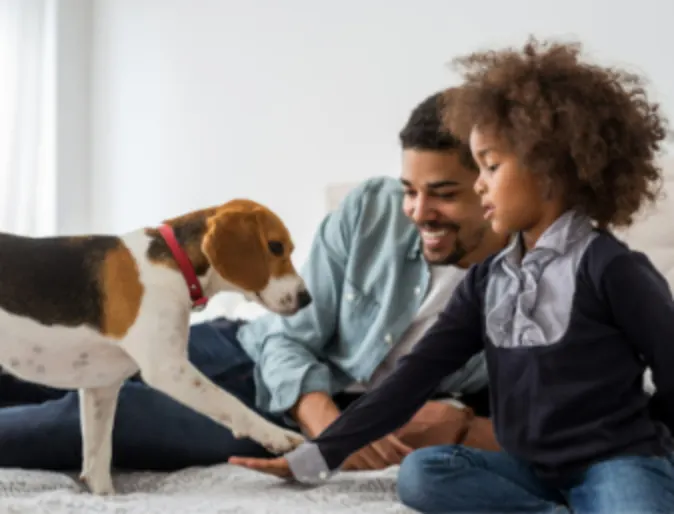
point(88, 312)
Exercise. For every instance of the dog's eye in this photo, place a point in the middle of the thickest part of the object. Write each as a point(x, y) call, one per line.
point(275, 247)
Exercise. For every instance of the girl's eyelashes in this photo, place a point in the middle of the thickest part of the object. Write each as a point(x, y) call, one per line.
point(493, 167)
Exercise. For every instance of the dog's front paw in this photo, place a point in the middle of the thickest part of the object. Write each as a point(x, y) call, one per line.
point(273, 438)
point(281, 441)
point(294, 439)
point(100, 484)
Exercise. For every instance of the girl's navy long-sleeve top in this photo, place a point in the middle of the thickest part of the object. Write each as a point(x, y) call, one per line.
point(567, 332)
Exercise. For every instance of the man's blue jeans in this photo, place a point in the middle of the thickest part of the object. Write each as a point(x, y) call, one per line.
point(40, 427)
point(459, 479)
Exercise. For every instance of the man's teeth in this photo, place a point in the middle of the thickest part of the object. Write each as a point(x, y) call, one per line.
point(433, 234)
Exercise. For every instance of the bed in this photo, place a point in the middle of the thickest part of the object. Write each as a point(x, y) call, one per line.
point(227, 489)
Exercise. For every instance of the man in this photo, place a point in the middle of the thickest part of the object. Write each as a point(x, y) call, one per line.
point(380, 269)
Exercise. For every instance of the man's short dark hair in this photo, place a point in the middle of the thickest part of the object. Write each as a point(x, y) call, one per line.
point(425, 129)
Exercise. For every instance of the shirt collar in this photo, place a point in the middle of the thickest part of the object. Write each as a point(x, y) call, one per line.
point(570, 227)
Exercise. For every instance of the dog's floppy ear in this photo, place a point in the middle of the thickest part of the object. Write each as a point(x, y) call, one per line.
point(235, 247)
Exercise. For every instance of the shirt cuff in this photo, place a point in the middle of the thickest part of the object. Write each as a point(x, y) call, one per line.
point(308, 465)
point(307, 379)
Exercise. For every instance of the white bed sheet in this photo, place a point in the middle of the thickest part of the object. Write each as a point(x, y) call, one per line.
point(215, 489)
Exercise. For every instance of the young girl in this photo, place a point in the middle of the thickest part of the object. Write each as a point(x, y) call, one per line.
point(568, 316)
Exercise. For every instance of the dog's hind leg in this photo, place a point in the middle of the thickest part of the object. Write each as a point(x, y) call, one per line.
point(97, 414)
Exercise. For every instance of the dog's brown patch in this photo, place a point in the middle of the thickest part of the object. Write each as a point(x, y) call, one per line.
point(235, 248)
point(122, 291)
point(273, 229)
point(54, 280)
point(237, 244)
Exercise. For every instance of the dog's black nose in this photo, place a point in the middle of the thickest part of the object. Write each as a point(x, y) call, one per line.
point(303, 299)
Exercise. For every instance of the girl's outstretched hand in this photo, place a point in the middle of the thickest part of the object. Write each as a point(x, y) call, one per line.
point(275, 466)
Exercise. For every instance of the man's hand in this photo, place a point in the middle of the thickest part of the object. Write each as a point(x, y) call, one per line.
point(387, 451)
point(278, 466)
point(438, 423)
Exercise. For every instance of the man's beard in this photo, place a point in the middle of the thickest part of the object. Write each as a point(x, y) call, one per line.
point(458, 253)
point(460, 250)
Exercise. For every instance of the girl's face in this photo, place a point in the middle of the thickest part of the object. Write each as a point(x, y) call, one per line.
point(513, 198)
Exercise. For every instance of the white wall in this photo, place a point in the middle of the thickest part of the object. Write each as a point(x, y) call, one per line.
point(73, 115)
point(196, 102)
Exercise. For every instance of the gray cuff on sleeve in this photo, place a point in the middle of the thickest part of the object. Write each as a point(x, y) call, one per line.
point(308, 465)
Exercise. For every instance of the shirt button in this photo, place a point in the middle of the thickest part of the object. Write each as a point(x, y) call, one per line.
point(388, 338)
point(417, 290)
point(349, 297)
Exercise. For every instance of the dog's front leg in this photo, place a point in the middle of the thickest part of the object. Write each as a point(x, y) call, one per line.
point(97, 414)
point(178, 378)
point(159, 347)
point(163, 363)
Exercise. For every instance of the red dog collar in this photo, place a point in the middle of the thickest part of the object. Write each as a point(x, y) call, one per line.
point(199, 301)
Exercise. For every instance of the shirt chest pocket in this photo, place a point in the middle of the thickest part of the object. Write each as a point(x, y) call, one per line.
point(358, 313)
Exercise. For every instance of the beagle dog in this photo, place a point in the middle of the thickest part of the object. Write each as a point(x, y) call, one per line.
point(88, 312)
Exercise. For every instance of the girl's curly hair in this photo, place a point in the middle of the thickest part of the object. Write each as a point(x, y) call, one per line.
point(591, 129)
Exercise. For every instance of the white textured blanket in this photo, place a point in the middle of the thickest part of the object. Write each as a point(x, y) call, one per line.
point(219, 489)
